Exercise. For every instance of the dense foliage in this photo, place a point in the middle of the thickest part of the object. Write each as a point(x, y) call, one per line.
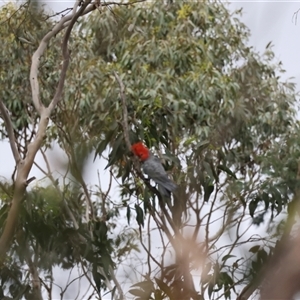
point(215, 111)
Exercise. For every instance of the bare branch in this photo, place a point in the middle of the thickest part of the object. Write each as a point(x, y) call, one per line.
point(125, 112)
point(116, 282)
point(85, 273)
point(67, 10)
point(148, 251)
point(248, 290)
point(23, 170)
point(48, 288)
point(40, 51)
point(10, 132)
point(30, 180)
point(66, 54)
point(122, 4)
point(76, 4)
point(36, 283)
point(12, 15)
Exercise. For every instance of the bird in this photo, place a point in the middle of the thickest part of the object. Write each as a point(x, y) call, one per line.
point(153, 167)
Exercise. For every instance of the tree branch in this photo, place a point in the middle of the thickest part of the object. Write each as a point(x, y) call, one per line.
point(40, 51)
point(125, 112)
point(36, 283)
point(123, 4)
point(66, 54)
point(116, 282)
point(23, 170)
point(10, 132)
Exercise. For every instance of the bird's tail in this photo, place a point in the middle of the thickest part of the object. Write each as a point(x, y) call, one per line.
point(166, 188)
point(164, 192)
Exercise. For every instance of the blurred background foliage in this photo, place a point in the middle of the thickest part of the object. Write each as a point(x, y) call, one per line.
point(216, 112)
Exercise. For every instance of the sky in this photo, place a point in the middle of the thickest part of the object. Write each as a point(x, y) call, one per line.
point(267, 20)
point(275, 21)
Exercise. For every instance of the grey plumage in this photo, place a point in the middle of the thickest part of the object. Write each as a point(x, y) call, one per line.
point(155, 170)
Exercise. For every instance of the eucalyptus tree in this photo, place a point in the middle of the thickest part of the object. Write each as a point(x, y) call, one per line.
point(182, 78)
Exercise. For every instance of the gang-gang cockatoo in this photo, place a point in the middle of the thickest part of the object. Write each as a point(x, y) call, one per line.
point(154, 169)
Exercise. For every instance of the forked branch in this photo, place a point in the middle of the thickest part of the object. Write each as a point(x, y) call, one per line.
point(66, 56)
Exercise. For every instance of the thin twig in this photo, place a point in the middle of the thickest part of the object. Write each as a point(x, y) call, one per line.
point(30, 180)
point(69, 282)
point(12, 15)
point(40, 51)
point(149, 244)
point(148, 251)
point(36, 283)
point(116, 282)
point(66, 55)
point(122, 4)
point(125, 112)
point(59, 13)
point(10, 132)
point(48, 289)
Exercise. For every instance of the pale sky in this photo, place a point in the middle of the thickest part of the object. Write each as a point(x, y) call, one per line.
point(275, 21)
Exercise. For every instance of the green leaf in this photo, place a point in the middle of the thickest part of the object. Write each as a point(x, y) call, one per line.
point(128, 214)
point(225, 257)
point(254, 249)
point(164, 287)
point(208, 189)
point(226, 279)
point(117, 151)
point(262, 255)
point(252, 207)
point(139, 215)
point(144, 285)
point(266, 199)
point(101, 147)
point(97, 279)
point(209, 170)
point(106, 261)
point(138, 293)
point(210, 289)
point(101, 231)
point(126, 171)
point(227, 170)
